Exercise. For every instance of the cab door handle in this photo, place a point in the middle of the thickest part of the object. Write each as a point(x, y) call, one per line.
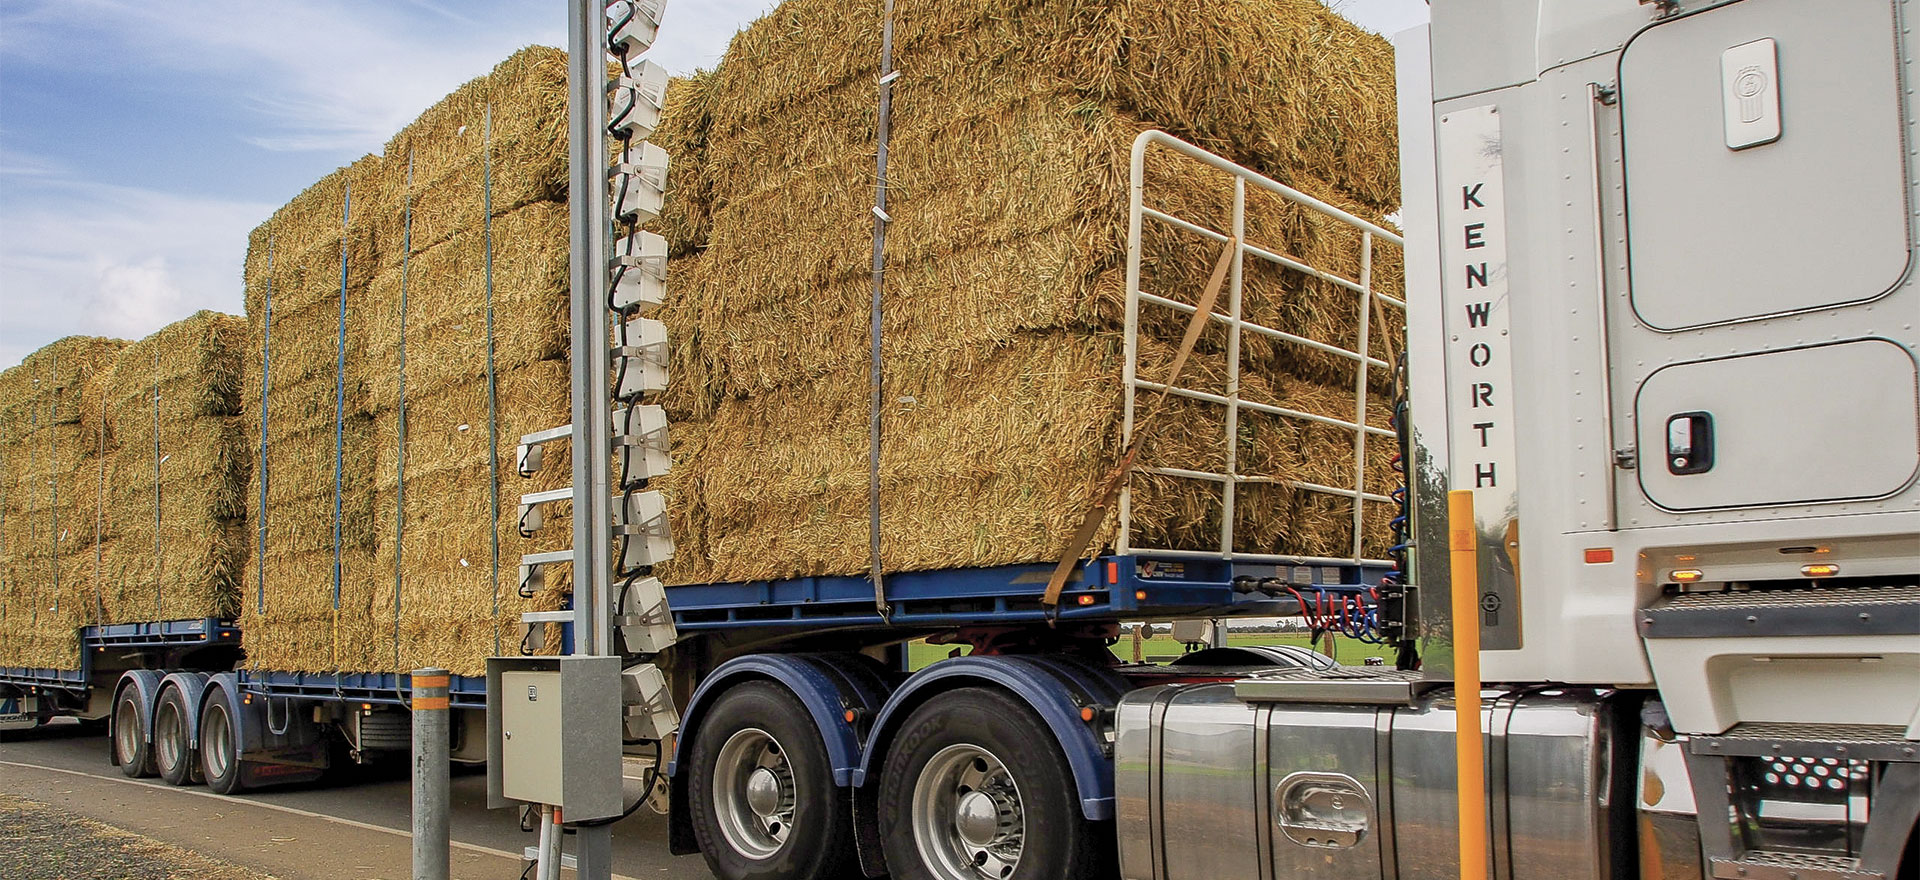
point(1689, 443)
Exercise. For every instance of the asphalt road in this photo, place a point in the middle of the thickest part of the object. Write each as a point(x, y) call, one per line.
point(326, 831)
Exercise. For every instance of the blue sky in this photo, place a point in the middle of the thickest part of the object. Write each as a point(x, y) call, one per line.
point(140, 141)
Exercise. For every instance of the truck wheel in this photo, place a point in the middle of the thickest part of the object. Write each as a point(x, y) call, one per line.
point(172, 745)
point(975, 788)
point(131, 753)
point(764, 806)
point(219, 761)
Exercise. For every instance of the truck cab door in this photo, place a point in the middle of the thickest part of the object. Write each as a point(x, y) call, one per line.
point(1768, 249)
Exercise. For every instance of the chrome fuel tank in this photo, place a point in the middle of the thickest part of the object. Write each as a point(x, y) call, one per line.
point(1216, 781)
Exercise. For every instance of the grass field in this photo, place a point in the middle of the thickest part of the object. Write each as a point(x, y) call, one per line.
point(1163, 648)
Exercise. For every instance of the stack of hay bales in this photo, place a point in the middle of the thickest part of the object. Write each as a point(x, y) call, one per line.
point(1011, 131)
point(369, 337)
point(48, 463)
point(408, 396)
point(172, 479)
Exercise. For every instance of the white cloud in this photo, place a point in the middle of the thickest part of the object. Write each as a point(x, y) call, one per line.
point(695, 33)
point(1385, 17)
point(321, 75)
point(80, 257)
point(132, 298)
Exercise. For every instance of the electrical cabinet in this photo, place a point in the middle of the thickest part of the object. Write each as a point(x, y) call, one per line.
point(553, 734)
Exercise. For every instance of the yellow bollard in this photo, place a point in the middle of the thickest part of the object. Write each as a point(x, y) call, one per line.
point(1469, 754)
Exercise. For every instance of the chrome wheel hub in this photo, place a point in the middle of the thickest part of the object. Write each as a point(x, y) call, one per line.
point(126, 732)
point(765, 793)
point(968, 821)
point(217, 742)
point(171, 736)
point(754, 793)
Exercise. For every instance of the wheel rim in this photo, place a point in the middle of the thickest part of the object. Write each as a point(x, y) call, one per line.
point(754, 793)
point(169, 736)
point(216, 741)
point(968, 821)
point(126, 732)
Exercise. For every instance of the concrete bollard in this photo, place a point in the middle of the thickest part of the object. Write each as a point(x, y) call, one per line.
point(431, 804)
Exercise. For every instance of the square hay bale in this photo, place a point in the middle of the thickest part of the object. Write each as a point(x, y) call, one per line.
point(158, 495)
point(292, 623)
point(1286, 85)
point(1005, 279)
point(436, 541)
point(446, 306)
point(971, 265)
point(48, 460)
point(46, 387)
point(449, 147)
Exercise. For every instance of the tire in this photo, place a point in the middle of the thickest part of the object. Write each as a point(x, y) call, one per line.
point(975, 787)
point(761, 794)
point(129, 747)
point(173, 747)
point(219, 761)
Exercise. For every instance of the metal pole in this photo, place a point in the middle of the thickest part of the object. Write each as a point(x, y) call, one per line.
point(431, 740)
point(592, 399)
point(1469, 757)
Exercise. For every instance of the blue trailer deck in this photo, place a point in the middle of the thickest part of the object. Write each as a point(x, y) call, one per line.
point(376, 688)
point(207, 632)
point(1111, 588)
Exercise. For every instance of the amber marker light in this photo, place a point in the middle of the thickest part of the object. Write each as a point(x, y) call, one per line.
point(1687, 575)
point(1139, 595)
point(1085, 600)
point(850, 715)
point(1599, 555)
point(1820, 570)
point(1086, 713)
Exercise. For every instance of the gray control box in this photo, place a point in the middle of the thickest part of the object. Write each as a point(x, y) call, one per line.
point(553, 734)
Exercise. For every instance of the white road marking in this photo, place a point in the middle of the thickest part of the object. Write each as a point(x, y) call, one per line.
point(365, 826)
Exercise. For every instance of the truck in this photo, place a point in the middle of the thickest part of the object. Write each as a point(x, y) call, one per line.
point(1626, 318)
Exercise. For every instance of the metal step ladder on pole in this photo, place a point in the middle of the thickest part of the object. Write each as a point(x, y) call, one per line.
point(618, 444)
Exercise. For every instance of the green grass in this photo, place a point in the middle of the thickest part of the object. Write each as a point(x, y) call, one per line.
point(1163, 648)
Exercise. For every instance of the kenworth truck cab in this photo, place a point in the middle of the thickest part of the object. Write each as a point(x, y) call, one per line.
point(1662, 325)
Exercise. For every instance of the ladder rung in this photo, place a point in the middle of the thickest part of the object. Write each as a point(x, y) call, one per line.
point(547, 436)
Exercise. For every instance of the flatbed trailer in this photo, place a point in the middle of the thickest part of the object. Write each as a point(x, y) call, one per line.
point(153, 686)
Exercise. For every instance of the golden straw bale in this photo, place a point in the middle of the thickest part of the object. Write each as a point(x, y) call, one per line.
point(1287, 85)
point(48, 476)
point(446, 314)
point(449, 142)
point(297, 253)
point(300, 629)
point(45, 388)
point(685, 123)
